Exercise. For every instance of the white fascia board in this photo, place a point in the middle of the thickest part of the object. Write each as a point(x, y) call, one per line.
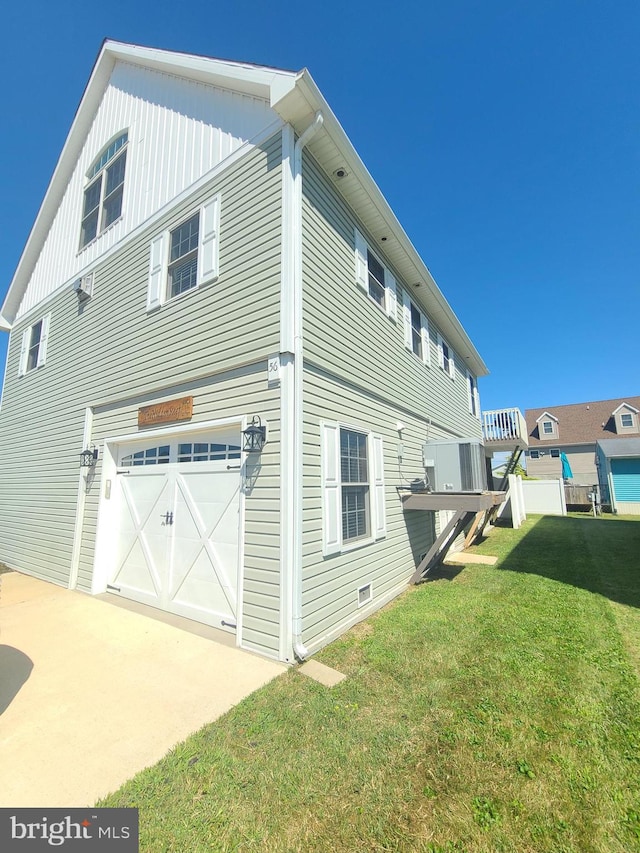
point(252, 80)
point(58, 183)
point(298, 106)
point(243, 77)
point(4, 325)
point(620, 407)
point(546, 415)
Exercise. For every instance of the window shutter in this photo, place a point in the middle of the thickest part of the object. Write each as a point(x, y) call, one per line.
point(331, 510)
point(24, 352)
point(452, 364)
point(362, 279)
point(406, 318)
point(391, 294)
point(477, 397)
point(44, 337)
point(426, 341)
point(440, 353)
point(208, 250)
point(379, 518)
point(156, 273)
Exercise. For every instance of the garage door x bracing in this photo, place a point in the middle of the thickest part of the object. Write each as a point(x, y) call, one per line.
point(176, 546)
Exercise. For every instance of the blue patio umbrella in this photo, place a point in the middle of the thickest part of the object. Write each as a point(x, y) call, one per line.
point(567, 473)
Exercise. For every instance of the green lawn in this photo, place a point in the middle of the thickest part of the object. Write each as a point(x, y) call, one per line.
point(496, 709)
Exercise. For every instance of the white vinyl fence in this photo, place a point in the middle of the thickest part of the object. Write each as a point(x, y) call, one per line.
point(539, 497)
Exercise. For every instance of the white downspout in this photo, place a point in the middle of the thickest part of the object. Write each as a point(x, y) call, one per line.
point(296, 580)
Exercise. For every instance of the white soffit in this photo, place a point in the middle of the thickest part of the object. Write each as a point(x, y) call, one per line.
point(296, 98)
point(332, 149)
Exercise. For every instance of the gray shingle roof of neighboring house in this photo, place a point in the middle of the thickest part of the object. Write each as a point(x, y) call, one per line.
point(620, 447)
point(580, 423)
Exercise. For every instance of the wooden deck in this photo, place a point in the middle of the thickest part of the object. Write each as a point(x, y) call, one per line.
point(469, 501)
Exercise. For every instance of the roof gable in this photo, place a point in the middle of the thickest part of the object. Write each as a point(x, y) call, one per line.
point(294, 98)
point(546, 416)
point(626, 406)
point(118, 70)
point(580, 423)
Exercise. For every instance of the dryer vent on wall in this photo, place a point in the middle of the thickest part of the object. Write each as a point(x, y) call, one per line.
point(84, 287)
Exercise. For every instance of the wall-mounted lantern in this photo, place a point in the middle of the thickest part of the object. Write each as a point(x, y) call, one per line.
point(255, 436)
point(89, 457)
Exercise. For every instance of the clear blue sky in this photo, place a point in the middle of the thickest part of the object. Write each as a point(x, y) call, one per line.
point(504, 134)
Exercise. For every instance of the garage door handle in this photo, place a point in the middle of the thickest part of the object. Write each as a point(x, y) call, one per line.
point(234, 467)
point(168, 517)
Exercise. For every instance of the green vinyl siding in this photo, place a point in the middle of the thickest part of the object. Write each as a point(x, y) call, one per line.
point(110, 349)
point(330, 584)
point(358, 373)
point(346, 333)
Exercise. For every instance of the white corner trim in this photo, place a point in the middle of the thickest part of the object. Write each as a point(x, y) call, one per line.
point(291, 347)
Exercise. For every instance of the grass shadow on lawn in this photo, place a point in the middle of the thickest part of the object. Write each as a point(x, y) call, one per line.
point(598, 555)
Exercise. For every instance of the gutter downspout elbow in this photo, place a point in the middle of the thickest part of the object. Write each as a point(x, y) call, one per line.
point(299, 649)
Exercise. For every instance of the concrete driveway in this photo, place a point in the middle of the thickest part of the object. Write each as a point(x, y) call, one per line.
point(91, 693)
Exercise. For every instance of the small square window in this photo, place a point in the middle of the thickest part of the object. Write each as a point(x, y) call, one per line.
point(534, 454)
point(555, 453)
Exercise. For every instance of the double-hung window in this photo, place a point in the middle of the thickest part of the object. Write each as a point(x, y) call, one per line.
point(354, 477)
point(353, 505)
point(416, 330)
point(374, 278)
point(377, 290)
point(103, 195)
point(626, 420)
point(33, 351)
point(185, 256)
point(446, 359)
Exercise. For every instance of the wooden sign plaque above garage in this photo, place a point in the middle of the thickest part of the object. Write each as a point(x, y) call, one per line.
point(166, 413)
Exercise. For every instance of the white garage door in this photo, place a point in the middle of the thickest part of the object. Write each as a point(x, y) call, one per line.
point(176, 543)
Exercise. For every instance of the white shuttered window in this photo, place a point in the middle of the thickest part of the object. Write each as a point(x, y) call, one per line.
point(186, 256)
point(33, 349)
point(416, 330)
point(374, 278)
point(353, 489)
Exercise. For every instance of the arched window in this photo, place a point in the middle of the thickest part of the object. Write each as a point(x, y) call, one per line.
point(103, 194)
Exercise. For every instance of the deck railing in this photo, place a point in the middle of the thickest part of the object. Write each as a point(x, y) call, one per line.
point(504, 425)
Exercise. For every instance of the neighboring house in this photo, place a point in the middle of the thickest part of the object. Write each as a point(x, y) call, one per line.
point(619, 474)
point(574, 430)
point(212, 255)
